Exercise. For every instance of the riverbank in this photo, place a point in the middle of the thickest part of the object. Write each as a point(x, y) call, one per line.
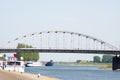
point(102, 65)
point(6, 75)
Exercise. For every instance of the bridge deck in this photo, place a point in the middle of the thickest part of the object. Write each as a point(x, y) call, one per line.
point(61, 51)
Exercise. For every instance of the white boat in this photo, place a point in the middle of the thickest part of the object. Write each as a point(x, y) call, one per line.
point(17, 66)
point(32, 64)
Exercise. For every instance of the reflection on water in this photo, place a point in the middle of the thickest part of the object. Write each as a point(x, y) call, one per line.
point(75, 72)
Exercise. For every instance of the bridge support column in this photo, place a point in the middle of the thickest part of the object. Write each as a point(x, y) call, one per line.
point(116, 63)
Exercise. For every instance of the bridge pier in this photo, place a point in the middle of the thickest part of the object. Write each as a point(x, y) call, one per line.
point(116, 63)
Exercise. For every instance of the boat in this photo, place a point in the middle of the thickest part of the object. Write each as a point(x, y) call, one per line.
point(12, 64)
point(50, 63)
point(32, 64)
point(17, 66)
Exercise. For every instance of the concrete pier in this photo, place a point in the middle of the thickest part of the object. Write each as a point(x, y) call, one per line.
point(116, 63)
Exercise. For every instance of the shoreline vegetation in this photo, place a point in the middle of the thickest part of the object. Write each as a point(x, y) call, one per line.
point(11, 75)
point(101, 65)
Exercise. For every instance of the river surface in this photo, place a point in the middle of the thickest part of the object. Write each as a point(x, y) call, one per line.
point(75, 72)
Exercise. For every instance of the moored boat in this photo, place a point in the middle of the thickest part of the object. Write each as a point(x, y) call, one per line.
point(32, 64)
point(17, 66)
point(12, 64)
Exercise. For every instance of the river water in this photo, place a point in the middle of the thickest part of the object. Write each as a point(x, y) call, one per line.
point(75, 72)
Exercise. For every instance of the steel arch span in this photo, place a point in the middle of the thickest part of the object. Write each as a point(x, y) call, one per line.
point(61, 40)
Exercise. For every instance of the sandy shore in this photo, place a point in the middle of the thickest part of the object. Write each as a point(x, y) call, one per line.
point(6, 75)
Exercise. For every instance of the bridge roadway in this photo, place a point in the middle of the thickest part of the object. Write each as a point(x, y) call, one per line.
point(60, 51)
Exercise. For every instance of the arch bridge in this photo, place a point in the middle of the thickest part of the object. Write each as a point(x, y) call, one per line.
point(61, 42)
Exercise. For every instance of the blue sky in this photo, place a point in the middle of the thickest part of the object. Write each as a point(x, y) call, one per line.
point(98, 18)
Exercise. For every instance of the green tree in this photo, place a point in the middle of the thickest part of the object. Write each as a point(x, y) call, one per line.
point(107, 58)
point(96, 59)
point(29, 56)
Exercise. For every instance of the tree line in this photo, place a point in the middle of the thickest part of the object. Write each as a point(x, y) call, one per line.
point(107, 58)
point(27, 56)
